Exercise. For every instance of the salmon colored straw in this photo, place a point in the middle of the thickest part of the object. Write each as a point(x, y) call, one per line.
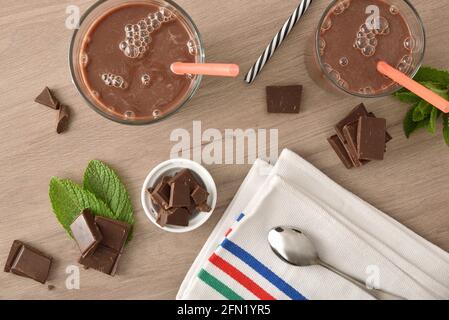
point(418, 89)
point(207, 69)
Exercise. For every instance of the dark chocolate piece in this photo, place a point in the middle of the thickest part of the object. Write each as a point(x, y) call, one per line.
point(388, 136)
point(86, 232)
point(63, 119)
point(47, 98)
point(185, 176)
point(340, 150)
point(284, 99)
point(26, 261)
point(104, 259)
point(115, 233)
point(51, 287)
point(161, 193)
point(179, 217)
point(371, 138)
point(200, 195)
point(354, 115)
point(350, 134)
point(162, 217)
point(180, 195)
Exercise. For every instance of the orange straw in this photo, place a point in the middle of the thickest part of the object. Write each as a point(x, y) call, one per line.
point(207, 69)
point(418, 89)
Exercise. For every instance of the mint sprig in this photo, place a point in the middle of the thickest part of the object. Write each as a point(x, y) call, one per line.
point(422, 114)
point(103, 193)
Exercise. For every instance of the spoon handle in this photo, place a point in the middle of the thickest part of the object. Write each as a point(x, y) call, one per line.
point(378, 294)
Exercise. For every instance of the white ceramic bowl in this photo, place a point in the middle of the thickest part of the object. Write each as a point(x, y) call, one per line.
point(171, 167)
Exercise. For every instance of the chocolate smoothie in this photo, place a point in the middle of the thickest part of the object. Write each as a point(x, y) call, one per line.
point(351, 44)
point(125, 60)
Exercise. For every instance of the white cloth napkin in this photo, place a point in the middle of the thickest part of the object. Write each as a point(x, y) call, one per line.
point(349, 234)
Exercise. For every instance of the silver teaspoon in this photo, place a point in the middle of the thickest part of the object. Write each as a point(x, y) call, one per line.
point(293, 247)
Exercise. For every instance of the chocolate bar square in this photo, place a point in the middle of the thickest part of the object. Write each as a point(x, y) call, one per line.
point(26, 261)
point(340, 150)
point(371, 138)
point(115, 233)
point(86, 233)
point(284, 99)
point(104, 259)
point(180, 195)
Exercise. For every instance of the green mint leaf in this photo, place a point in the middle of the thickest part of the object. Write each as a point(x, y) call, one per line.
point(422, 111)
point(428, 74)
point(106, 185)
point(409, 125)
point(438, 89)
point(432, 126)
point(407, 96)
point(68, 200)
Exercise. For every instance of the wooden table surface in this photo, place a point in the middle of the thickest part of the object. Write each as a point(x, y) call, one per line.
point(411, 184)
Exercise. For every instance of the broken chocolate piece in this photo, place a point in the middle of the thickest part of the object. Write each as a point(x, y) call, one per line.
point(86, 232)
point(47, 98)
point(204, 207)
point(199, 195)
point(185, 176)
point(284, 99)
point(115, 233)
point(371, 138)
point(354, 115)
point(26, 261)
point(63, 119)
point(179, 195)
point(161, 193)
point(104, 259)
point(340, 150)
point(162, 217)
point(178, 217)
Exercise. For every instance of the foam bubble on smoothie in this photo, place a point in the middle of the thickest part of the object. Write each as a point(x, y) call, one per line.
point(366, 91)
point(157, 113)
point(84, 59)
point(146, 80)
point(129, 115)
point(191, 46)
point(327, 25)
point(409, 43)
point(394, 10)
point(367, 40)
point(405, 64)
point(137, 36)
point(341, 7)
point(343, 61)
point(112, 80)
point(322, 46)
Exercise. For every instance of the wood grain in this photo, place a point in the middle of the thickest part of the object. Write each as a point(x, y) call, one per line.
point(411, 184)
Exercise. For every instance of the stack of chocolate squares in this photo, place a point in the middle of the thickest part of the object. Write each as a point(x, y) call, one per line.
point(360, 138)
point(101, 241)
point(178, 198)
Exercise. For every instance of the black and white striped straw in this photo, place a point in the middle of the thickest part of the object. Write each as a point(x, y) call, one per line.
point(278, 39)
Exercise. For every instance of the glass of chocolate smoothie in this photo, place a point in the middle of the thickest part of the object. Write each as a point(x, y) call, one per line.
point(354, 35)
point(121, 55)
